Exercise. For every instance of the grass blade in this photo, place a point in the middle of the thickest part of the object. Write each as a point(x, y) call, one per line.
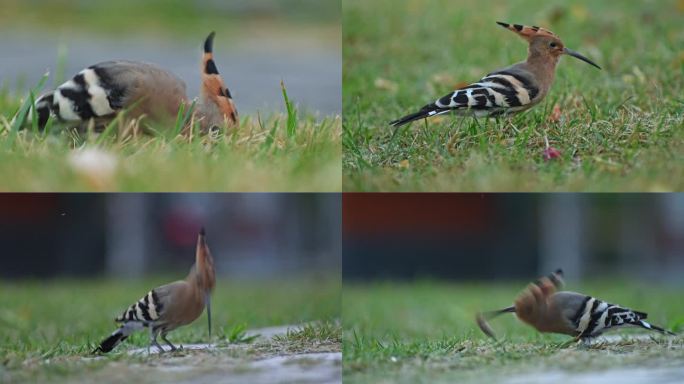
point(34, 114)
point(291, 113)
point(109, 128)
point(183, 117)
point(21, 115)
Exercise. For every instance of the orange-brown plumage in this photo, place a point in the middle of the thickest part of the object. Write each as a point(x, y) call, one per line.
point(509, 90)
point(203, 274)
point(535, 307)
point(527, 32)
point(217, 106)
point(170, 306)
point(547, 310)
point(102, 91)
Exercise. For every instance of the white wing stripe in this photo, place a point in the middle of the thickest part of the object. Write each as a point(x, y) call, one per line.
point(98, 96)
point(586, 316)
point(519, 88)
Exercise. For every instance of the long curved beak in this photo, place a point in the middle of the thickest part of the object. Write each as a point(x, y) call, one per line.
point(574, 54)
point(207, 300)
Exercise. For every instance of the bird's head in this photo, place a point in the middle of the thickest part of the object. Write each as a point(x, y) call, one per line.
point(204, 263)
point(216, 106)
point(544, 43)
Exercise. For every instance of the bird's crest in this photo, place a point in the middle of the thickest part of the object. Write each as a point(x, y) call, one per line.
point(214, 92)
point(204, 263)
point(543, 287)
point(527, 32)
point(552, 281)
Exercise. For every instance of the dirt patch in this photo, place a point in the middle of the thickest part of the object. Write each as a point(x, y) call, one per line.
point(673, 375)
point(217, 367)
point(270, 358)
point(624, 359)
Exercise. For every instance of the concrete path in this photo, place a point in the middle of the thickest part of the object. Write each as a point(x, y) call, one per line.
point(232, 363)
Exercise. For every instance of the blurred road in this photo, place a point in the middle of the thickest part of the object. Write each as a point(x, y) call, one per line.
point(252, 67)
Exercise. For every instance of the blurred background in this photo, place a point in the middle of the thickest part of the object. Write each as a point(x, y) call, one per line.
point(252, 236)
point(513, 236)
point(258, 44)
point(71, 263)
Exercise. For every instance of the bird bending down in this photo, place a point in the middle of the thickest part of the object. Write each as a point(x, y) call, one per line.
point(103, 90)
point(568, 313)
point(170, 306)
point(509, 90)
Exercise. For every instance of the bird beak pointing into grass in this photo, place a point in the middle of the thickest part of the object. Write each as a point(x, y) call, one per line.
point(574, 54)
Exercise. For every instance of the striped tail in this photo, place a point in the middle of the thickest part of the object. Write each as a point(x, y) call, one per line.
point(113, 340)
point(652, 327)
point(425, 112)
point(600, 316)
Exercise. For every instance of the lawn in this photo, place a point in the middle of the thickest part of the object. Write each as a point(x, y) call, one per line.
point(619, 129)
point(293, 152)
point(177, 18)
point(279, 149)
point(48, 329)
point(425, 332)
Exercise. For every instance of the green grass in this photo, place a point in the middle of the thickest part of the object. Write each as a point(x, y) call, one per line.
point(47, 327)
point(620, 129)
point(425, 331)
point(292, 152)
point(320, 331)
point(175, 18)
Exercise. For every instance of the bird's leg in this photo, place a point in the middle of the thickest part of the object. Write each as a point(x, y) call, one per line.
point(584, 342)
point(153, 339)
point(150, 343)
point(163, 336)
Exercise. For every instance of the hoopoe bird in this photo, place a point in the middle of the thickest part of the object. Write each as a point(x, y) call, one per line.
point(565, 312)
point(103, 90)
point(170, 306)
point(509, 90)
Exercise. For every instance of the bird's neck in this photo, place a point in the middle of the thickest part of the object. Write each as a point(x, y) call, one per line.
point(539, 60)
point(201, 277)
point(544, 66)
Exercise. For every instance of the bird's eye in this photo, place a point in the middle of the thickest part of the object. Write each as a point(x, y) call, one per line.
point(553, 45)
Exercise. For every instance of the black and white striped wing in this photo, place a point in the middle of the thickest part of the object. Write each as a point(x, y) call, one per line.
point(147, 309)
point(496, 93)
point(596, 316)
point(502, 92)
point(103, 89)
point(90, 94)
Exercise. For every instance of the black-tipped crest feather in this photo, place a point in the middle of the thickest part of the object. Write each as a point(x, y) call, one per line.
point(209, 43)
point(210, 68)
